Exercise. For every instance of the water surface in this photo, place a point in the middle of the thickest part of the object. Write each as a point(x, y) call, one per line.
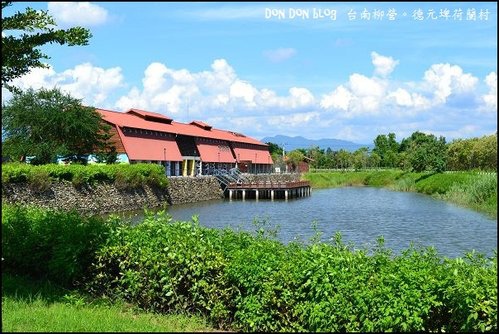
point(361, 214)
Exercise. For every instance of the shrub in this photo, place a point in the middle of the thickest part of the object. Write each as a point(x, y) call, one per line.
point(39, 180)
point(255, 283)
point(166, 266)
point(124, 176)
point(50, 244)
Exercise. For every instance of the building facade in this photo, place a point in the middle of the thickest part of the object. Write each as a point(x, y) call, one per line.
point(185, 149)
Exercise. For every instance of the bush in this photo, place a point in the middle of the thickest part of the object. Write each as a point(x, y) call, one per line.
point(254, 283)
point(39, 180)
point(124, 176)
point(167, 267)
point(49, 244)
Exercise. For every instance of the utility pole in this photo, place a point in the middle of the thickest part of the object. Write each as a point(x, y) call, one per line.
point(283, 155)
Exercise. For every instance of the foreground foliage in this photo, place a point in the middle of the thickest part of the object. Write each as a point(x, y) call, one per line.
point(122, 175)
point(251, 282)
point(48, 244)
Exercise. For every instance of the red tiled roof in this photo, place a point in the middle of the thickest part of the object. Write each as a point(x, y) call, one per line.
point(215, 153)
point(259, 156)
point(130, 120)
point(150, 115)
point(139, 148)
point(202, 125)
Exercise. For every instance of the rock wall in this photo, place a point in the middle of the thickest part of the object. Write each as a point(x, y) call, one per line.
point(106, 198)
point(193, 189)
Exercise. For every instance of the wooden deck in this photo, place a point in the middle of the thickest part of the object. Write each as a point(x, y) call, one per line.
point(268, 190)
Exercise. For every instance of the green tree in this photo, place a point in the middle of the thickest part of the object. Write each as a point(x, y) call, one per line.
point(485, 149)
point(316, 154)
point(360, 158)
point(425, 152)
point(20, 51)
point(274, 148)
point(460, 154)
point(386, 147)
point(473, 153)
point(343, 159)
point(374, 160)
point(48, 123)
point(294, 158)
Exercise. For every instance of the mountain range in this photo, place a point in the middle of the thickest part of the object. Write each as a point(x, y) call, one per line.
point(292, 143)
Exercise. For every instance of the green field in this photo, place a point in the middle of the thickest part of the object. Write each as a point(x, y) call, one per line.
point(38, 306)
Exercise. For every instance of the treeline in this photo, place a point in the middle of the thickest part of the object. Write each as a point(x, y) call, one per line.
point(419, 152)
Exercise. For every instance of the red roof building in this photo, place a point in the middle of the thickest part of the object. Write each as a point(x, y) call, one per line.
point(184, 149)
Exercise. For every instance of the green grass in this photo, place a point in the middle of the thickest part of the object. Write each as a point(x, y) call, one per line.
point(39, 306)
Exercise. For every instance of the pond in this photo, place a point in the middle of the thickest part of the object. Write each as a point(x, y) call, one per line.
point(361, 214)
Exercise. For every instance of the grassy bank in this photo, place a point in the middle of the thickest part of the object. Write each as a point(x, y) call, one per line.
point(38, 306)
point(470, 189)
point(235, 280)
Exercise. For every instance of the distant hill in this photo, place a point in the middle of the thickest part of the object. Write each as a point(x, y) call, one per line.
point(292, 143)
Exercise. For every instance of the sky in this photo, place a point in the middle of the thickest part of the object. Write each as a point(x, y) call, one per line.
point(344, 70)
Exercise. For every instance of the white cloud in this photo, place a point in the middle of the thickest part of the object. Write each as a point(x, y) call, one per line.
point(403, 98)
point(294, 120)
point(279, 55)
point(205, 93)
point(360, 95)
point(243, 90)
point(85, 81)
point(490, 99)
point(376, 95)
point(357, 109)
point(383, 65)
point(445, 80)
point(78, 13)
point(339, 99)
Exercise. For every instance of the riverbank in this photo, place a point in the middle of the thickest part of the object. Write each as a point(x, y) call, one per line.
point(474, 190)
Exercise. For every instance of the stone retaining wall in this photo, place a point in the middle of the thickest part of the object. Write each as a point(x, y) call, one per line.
point(106, 198)
point(193, 189)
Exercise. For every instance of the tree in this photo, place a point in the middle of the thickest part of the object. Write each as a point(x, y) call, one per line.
point(387, 148)
point(48, 123)
point(460, 154)
point(360, 158)
point(274, 148)
point(294, 158)
point(344, 159)
point(20, 52)
point(425, 152)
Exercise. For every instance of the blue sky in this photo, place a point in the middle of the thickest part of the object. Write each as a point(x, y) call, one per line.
point(342, 70)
